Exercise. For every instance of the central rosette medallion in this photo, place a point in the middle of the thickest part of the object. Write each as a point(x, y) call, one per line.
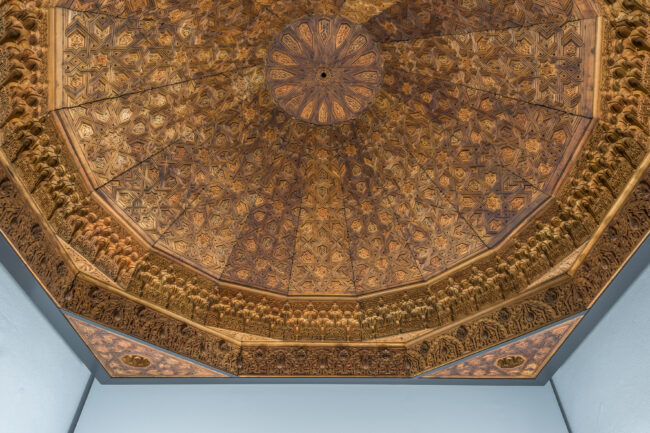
point(323, 69)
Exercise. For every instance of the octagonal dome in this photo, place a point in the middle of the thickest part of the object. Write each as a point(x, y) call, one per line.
point(332, 188)
point(463, 133)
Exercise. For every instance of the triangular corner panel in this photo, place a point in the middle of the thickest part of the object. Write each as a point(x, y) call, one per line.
point(521, 359)
point(125, 357)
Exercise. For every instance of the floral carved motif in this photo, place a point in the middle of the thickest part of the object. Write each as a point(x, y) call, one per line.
point(124, 357)
point(323, 69)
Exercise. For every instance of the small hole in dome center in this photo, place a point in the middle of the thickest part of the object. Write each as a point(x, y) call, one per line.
point(323, 74)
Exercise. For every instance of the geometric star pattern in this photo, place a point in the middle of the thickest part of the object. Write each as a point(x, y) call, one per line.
point(480, 108)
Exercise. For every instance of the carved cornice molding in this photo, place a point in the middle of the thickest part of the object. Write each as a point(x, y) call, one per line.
point(604, 201)
point(75, 292)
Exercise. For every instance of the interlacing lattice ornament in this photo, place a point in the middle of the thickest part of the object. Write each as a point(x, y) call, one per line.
point(180, 182)
point(204, 163)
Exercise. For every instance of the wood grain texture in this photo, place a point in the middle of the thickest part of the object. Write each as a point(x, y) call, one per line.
point(485, 121)
point(323, 69)
point(125, 357)
point(523, 359)
point(434, 225)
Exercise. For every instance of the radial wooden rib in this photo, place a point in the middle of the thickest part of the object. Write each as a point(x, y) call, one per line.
point(541, 64)
point(437, 233)
point(207, 233)
point(104, 56)
point(471, 141)
point(416, 19)
point(361, 11)
point(112, 136)
point(380, 252)
point(322, 262)
point(262, 255)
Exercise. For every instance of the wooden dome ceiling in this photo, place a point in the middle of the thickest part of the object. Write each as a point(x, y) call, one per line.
point(257, 182)
point(242, 181)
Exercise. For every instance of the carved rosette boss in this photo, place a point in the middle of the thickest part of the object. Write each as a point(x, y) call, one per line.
point(323, 69)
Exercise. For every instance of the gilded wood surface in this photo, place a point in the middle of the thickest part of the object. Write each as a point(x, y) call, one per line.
point(504, 158)
point(445, 163)
point(124, 357)
point(522, 359)
point(323, 69)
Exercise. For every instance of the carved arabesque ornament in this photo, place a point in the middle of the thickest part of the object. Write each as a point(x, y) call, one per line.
point(45, 200)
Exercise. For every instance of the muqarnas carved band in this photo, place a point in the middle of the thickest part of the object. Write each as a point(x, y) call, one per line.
point(118, 280)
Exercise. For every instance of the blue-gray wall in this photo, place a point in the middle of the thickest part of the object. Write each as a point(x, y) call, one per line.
point(605, 385)
point(602, 387)
point(41, 379)
point(320, 409)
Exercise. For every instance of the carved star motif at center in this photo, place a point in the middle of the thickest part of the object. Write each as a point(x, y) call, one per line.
point(323, 69)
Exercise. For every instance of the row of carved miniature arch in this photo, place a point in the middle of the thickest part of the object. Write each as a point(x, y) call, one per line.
point(591, 191)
